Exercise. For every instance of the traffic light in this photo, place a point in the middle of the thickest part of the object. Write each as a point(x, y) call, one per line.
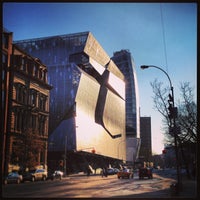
point(172, 111)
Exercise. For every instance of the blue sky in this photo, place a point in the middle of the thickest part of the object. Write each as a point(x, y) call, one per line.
point(135, 26)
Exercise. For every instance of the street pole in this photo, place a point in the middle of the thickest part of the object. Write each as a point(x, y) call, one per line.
point(172, 124)
point(65, 156)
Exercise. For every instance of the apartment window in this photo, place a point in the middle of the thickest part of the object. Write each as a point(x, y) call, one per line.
point(42, 125)
point(42, 102)
point(33, 97)
point(17, 61)
point(30, 66)
point(35, 70)
point(23, 66)
point(21, 93)
point(34, 123)
point(20, 120)
point(45, 76)
point(5, 60)
point(42, 157)
point(5, 40)
point(40, 74)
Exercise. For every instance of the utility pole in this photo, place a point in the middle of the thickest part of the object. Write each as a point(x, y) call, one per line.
point(173, 127)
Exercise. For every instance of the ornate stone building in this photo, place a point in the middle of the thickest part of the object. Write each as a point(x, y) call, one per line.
point(25, 103)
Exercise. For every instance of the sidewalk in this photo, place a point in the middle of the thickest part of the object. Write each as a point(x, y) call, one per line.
point(189, 188)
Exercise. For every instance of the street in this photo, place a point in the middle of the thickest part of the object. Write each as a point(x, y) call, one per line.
point(75, 186)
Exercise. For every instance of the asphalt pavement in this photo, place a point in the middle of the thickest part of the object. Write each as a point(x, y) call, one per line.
point(80, 185)
point(187, 190)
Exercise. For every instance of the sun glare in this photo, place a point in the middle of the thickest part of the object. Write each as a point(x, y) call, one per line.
point(87, 131)
point(117, 84)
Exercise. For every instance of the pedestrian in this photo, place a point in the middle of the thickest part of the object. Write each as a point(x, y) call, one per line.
point(104, 172)
point(88, 171)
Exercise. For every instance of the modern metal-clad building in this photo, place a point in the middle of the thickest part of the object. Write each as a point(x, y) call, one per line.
point(87, 102)
point(125, 63)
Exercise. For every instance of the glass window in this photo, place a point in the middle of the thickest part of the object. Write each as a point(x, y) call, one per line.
point(33, 98)
point(5, 40)
point(42, 102)
point(34, 122)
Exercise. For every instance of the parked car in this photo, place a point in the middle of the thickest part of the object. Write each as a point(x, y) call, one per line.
point(125, 173)
point(38, 174)
point(145, 172)
point(112, 171)
point(13, 177)
point(56, 175)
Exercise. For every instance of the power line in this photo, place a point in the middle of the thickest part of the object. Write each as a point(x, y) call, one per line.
point(163, 33)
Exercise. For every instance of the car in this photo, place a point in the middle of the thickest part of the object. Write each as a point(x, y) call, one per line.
point(33, 175)
point(125, 173)
point(13, 177)
point(145, 172)
point(56, 175)
point(111, 171)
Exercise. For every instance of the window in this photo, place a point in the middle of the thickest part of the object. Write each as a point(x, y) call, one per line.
point(17, 61)
point(42, 102)
point(42, 125)
point(35, 70)
point(40, 74)
point(20, 120)
point(6, 40)
point(45, 76)
point(21, 93)
point(30, 66)
point(5, 59)
point(34, 123)
point(23, 67)
point(42, 157)
point(33, 98)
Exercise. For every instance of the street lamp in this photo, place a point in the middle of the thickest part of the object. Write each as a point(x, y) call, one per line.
point(172, 117)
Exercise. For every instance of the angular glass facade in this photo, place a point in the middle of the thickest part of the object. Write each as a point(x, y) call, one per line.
point(124, 61)
point(87, 102)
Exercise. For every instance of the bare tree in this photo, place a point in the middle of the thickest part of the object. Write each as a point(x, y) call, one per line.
point(186, 120)
point(187, 111)
point(160, 100)
point(187, 117)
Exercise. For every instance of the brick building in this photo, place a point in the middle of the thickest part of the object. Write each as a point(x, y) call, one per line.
point(25, 103)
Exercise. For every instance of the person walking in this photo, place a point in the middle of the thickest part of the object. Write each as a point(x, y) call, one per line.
point(104, 172)
point(88, 171)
